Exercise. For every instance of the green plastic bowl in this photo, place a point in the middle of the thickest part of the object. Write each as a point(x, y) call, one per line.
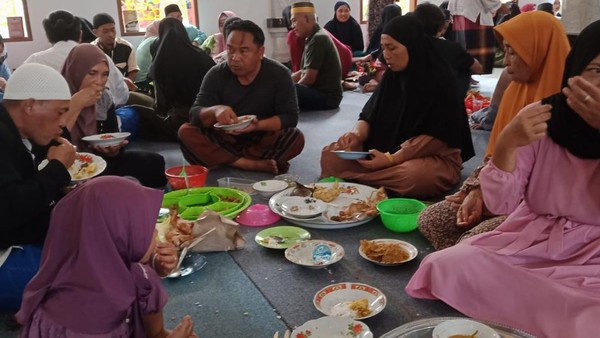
point(331, 179)
point(400, 214)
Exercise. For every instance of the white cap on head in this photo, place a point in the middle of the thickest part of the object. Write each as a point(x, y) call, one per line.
point(38, 82)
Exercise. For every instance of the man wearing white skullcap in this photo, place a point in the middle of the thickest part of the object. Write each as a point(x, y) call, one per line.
point(34, 111)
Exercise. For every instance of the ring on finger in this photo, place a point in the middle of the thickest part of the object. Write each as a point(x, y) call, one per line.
point(587, 98)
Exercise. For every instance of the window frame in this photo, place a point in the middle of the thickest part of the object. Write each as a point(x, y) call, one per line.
point(194, 10)
point(26, 24)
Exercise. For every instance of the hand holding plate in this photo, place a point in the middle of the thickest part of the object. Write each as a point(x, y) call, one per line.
point(250, 128)
point(377, 161)
point(110, 151)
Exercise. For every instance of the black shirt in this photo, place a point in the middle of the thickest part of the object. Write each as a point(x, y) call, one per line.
point(26, 194)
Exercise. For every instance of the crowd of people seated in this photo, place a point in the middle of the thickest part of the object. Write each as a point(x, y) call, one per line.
point(507, 229)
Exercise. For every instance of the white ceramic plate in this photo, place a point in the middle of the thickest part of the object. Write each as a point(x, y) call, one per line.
point(334, 294)
point(411, 249)
point(82, 160)
point(333, 327)
point(351, 155)
point(107, 139)
point(314, 253)
point(243, 122)
point(351, 192)
point(303, 207)
point(465, 327)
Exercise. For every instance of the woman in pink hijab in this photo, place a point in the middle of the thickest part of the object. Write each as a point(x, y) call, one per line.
point(86, 69)
point(216, 42)
point(94, 277)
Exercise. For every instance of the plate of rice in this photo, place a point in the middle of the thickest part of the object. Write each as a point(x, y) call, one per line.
point(350, 300)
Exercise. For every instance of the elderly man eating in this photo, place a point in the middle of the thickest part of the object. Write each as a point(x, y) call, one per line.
point(247, 84)
point(34, 110)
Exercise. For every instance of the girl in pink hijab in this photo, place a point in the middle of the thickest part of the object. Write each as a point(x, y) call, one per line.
point(94, 277)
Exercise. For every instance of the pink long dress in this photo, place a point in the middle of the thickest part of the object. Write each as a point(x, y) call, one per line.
point(540, 270)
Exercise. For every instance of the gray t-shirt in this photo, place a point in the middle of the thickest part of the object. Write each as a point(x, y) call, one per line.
point(272, 93)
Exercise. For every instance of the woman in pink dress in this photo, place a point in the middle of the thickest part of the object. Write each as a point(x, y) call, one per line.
point(540, 270)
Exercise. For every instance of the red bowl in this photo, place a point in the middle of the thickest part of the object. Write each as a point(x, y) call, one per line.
point(196, 175)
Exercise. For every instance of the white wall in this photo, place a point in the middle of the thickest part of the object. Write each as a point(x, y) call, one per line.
point(39, 9)
point(208, 11)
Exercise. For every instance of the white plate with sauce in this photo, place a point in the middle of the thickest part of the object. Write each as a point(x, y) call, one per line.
point(86, 166)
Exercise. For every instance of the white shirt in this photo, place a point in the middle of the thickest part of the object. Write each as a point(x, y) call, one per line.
point(471, 9)
point(56, 55)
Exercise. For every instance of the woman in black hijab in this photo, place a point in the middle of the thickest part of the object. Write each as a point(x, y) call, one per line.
point(414, 125)
point(575, 122)
point(177, 70)
point(345, 28)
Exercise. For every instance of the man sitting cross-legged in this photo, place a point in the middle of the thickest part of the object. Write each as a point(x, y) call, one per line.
point(247, 84)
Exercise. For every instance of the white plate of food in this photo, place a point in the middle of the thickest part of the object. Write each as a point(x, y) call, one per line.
point(351, 155)
point(86, 166)
point(332, 327)
point(351, 300)
point(314, 253)
point(341, 197)
point(243, 122)
point(106, 139)
point(387, 252)
point(303, 207)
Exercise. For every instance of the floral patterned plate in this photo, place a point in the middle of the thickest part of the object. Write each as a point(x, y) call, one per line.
point(335, 297)
point(332, 327)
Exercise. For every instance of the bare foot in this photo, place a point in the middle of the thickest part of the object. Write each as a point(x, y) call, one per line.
point(257, 165)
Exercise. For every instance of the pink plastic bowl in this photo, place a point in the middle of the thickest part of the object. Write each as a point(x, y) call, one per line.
point(196, 175)
point(257, 215)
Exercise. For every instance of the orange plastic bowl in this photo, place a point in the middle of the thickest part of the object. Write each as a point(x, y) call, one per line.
point(196, 175)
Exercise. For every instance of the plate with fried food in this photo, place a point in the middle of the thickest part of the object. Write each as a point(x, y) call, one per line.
point(86, 166)
point(351, 300)
point(387, 252)
point(346, 205)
